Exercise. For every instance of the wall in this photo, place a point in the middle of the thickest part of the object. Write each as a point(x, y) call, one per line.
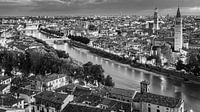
point(67, 100)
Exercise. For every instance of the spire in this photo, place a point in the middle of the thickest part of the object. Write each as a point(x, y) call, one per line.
point(178, 15)
point(155, 13)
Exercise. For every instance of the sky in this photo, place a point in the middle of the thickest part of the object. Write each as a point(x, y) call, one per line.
point(96, 7)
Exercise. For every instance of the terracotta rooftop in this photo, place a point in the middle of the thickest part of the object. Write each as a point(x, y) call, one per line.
point(9, 100)
point(123, 92)
point(3, 78)
point(67, 89)
point(50, 77)
point(93, 99)
point(116, 105)
point(52, 96)
point(3, 86)
point(158, 100)
point(82, 108)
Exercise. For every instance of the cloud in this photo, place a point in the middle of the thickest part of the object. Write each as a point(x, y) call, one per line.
point(67, 2)
point(82, 2)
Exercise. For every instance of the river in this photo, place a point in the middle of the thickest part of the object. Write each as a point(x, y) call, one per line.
point(127, 77)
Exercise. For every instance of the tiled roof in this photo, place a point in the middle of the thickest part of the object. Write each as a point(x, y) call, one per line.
point(3, 86)
point(93, 99)
point(81, 91)
point(9, 100)
point(123, 92)
point(116, 105)
point(68, 88)
point(51, 96)
point(2, 110)
point(3, 78)
point(27, 91)
point(50, 77)
point(157, 99)
point(82, 108)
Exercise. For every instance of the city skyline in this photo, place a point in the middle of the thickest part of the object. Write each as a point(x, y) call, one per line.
point(96, 7)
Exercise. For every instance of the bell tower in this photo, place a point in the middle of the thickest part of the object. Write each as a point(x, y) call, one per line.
point(178, 37)
point(144, 86)
point(155, 25)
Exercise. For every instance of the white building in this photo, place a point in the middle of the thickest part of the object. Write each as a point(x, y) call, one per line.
point(5, 79)
point(50, 82)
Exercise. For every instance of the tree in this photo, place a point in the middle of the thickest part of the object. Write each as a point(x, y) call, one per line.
point(109, 82)
point(180, 65)
point(92, 27)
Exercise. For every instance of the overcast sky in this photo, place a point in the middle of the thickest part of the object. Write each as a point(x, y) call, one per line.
point(96, 7)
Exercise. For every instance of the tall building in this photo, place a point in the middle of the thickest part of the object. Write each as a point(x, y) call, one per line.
point(156, 24)
point(178, 37)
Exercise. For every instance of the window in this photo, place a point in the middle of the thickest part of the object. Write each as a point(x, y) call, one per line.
point(157, 106)
point(167, 108)
point(38, 108)
point(158, 110)
point(149, 104)
point(149, 109)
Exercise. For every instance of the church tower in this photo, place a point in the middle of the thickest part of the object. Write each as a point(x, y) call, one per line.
point(155, 25)
point(178, 37)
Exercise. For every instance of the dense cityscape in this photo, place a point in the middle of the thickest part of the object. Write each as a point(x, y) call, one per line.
point(86, 63)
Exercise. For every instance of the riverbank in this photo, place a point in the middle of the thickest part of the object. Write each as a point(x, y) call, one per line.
point(187, 78)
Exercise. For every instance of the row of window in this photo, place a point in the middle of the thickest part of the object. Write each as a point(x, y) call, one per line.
point(41, 109)
point(56, 81)
point(6, 82)
point(149, 108)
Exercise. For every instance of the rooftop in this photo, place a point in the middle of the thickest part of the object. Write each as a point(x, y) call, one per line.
point(157, 99)
point(81, 91)
point(52, 96)
point(9, 100)
point(3, 78)
point(68, 88)
point(116, 105)
point(3, 86)
point(50, 77)
point(123, 92)
point(92, 99)
point(82, 108)
point(27, 91)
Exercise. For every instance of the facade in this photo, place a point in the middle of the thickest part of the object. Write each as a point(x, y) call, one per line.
point(49, 101)
point(178, 37)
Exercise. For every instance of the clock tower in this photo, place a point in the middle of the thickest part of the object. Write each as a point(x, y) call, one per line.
point(178, 37)
point(156, 25)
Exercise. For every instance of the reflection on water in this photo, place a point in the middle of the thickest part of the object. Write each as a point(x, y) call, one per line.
point(127, 77)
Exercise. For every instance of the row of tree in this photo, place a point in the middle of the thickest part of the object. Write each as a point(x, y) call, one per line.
point(44, 61)
point(81, 39)
point(53, 32)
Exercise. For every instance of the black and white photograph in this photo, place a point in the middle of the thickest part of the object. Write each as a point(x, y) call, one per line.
point(99, 55)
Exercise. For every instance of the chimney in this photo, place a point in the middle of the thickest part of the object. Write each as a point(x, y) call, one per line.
point(144, 85)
